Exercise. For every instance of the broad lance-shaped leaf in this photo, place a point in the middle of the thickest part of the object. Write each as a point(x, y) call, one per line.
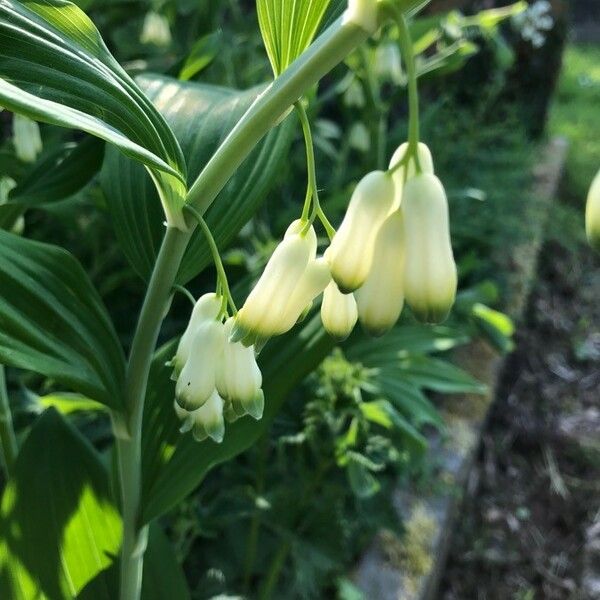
point(55, 67)
point(53, 322)
point(214, 111)
point(59, 528)
point(288, 27)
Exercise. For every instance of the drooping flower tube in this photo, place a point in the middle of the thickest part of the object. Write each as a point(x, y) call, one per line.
point(207, 308)
point(402, 174)
point(338, 312)
point(291, 280)
point(592, 214)
point(239, 380)
point(430, 274)
point(351, 250)
point(381, 299)
point(208, 421)
point(197, 380)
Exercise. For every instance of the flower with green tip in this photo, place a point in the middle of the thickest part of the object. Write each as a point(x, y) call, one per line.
point(338, 312)
point(351, 251)
point(381, 299)
point(239, 380)
point(430, 279)
point(292, 279)
point(592, 214)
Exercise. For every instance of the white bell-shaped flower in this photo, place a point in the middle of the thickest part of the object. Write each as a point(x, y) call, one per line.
point(197, 379)
point(314, 280)
point(430, 274)
point(239, 380)
point(209, 421)
point(207, 308)
point(592, 214)
point(351, 250)
point(156, 30)
point(381, 299)
point(338, 312)
point(292, 279)
point(405, 172)
point(26, 138)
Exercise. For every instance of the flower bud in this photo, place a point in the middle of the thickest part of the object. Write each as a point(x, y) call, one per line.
point(239, 379)
point(430, 274)
point(208, 421)
point(265, 309)
point(351, 250)
point(592, 214)
point(405, 172)
point(381, 299)
point(338, 312)
point(26, 138)
point(207, 308)
point(197, 379)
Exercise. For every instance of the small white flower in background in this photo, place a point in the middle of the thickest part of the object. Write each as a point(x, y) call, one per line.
point(339, 312)
point(381, 299)
point(354, 96)
point(388, 63)
point(156, 30)
point(351, 250)
point(359, 138)
point(26, 138)
point(592, 214)
point(405, 172)
point(292, 279)
point(239, 380)
point(430, 280)
point(362, 13)
point(7, 185)
point(534, 22)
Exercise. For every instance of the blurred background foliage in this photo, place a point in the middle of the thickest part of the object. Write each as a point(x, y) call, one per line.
point(295, 510)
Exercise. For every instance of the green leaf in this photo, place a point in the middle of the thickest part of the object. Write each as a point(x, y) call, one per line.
point(363, 483)
point(384, 414)
point(59, 526)
point(288, 27)
point(162, 577)
point(175, 465)
point(55, 67)
point(201, 55)
point(214, 111)
point(60, 174)
point(53, 322)
point(68, 404)
point(439, 375)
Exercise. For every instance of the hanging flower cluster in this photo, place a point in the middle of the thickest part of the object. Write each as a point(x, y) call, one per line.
point(392, 246)
point(217, 379)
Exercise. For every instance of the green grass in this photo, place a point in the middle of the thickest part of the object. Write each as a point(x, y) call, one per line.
point(576, 115)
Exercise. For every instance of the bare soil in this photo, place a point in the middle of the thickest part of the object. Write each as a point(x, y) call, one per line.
point(530, 525)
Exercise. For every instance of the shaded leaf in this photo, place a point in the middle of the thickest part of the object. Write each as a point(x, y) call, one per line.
point(55, 67)
point(214, 111)
point(201, 55)
point(53, 322)
point(59, 526)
